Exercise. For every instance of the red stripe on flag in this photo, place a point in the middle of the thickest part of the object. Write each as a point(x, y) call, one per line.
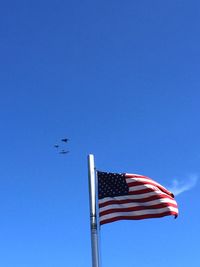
point(140, 217)
point(123, 201)
point(157, 206)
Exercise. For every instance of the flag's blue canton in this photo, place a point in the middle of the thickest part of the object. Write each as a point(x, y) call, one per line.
point(111, 185)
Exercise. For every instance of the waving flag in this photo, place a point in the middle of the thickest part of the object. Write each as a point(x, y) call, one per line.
point(132, 197)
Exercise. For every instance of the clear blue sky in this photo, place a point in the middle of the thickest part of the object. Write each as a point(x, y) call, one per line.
point(121, 80)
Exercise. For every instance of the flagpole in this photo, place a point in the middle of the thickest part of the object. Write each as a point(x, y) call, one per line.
point(93, 212)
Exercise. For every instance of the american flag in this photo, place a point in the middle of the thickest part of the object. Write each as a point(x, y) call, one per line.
point(132, 197)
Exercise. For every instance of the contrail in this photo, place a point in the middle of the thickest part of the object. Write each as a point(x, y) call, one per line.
point(179, 187)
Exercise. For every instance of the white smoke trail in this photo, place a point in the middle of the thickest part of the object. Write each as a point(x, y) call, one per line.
point(179, 187)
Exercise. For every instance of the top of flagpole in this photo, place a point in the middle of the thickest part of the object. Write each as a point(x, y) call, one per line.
point(91, 170)
point(93, 211)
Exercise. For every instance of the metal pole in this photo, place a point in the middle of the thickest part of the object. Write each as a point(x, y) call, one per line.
point(93, 212)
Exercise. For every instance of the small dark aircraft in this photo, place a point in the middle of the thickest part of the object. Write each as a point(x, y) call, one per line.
point(65, 140)
point(56, 146)
point(64, 152)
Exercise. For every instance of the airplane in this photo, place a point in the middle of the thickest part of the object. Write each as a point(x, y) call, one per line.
point(64, 152)
point(56, 146)
point(65, 140)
